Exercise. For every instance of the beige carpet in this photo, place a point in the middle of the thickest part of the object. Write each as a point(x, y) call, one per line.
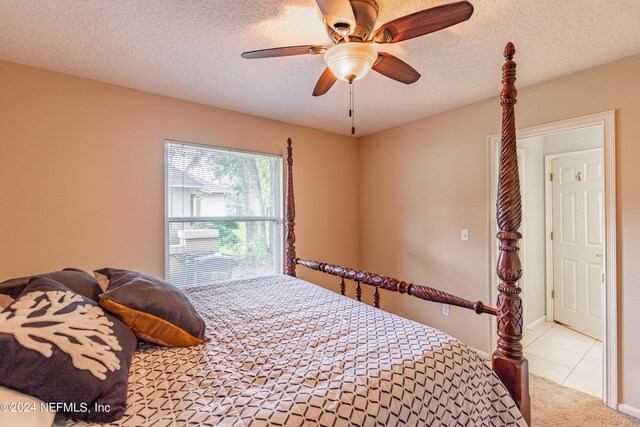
point(555, 405)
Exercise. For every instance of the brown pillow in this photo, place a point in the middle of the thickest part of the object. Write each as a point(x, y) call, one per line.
point(64, 349)
point(155, 310)
point(76, 280)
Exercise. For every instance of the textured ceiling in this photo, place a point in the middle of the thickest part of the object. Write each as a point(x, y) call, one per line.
point(191, 50)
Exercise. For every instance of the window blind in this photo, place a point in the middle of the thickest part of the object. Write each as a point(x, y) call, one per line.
point(223, 214)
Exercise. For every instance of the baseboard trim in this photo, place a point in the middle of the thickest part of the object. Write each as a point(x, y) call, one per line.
point(629, 410)
point(537, 322)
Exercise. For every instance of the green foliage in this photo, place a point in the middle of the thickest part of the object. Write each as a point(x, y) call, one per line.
point(264, 167)
point(259, 247)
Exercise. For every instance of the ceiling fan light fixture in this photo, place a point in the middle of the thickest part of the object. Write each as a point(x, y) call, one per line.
point(350, 61)
point(342, 29)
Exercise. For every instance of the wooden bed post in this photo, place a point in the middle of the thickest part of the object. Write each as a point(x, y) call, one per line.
point(508, 362)
point(291, 216)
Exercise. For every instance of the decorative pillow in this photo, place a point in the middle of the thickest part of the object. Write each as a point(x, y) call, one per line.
point(5, 301)
point(155, 310)
point(103, 281)
point(64, 349)
point(76, 280)
point(24, 410)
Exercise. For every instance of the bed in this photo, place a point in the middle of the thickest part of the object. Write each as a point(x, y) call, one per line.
point(286, 352)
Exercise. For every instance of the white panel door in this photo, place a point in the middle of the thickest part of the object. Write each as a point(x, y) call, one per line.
point(578, 241)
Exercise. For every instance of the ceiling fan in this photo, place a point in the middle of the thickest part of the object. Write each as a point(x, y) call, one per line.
point(350, 26)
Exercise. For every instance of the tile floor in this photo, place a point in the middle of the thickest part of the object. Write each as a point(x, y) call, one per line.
point(565, 357)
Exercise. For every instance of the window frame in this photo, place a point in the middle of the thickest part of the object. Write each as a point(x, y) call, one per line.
point(277, 188)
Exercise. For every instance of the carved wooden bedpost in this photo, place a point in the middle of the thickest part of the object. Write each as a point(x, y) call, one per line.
point(508, 362)
point(291, 216)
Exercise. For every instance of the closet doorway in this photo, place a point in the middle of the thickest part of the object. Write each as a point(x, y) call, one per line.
point(563, 285)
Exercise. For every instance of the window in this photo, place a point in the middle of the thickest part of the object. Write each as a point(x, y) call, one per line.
point(223, 214)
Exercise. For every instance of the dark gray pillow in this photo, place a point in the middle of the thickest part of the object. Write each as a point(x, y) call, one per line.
point(62, 348)
point(78, 281)
point(155, 310)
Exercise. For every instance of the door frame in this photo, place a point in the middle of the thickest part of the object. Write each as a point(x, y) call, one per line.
point(548, 226)
point(521, 155)
point(610, 343)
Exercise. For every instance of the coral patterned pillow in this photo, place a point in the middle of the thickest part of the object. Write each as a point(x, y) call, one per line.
point(76, 280)
point(62, 348)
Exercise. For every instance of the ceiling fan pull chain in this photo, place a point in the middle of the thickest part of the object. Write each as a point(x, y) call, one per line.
point(350, 98)
point(352, 112)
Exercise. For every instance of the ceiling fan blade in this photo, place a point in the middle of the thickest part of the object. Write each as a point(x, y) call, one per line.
point(396, 69)
point(327, 79)
point(423, 22)
point(284, 51)
point(337, 12)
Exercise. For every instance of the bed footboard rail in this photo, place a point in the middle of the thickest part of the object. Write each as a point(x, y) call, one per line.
point(391, 284)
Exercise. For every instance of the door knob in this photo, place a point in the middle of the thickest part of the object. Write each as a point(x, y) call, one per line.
point(599, 255)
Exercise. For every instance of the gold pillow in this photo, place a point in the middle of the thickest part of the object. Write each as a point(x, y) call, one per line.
point(155, 310)
point(149, 327)
point(5, 301)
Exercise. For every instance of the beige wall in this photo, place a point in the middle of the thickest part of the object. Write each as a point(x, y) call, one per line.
point(424, 181)
point(82, 173)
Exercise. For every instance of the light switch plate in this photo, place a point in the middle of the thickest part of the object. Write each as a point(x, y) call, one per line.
point(464, 235)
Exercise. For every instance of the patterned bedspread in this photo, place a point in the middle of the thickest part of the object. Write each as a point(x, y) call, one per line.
point(284, 352)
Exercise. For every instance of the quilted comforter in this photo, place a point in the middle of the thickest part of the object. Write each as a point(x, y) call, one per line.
point(285, 352)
